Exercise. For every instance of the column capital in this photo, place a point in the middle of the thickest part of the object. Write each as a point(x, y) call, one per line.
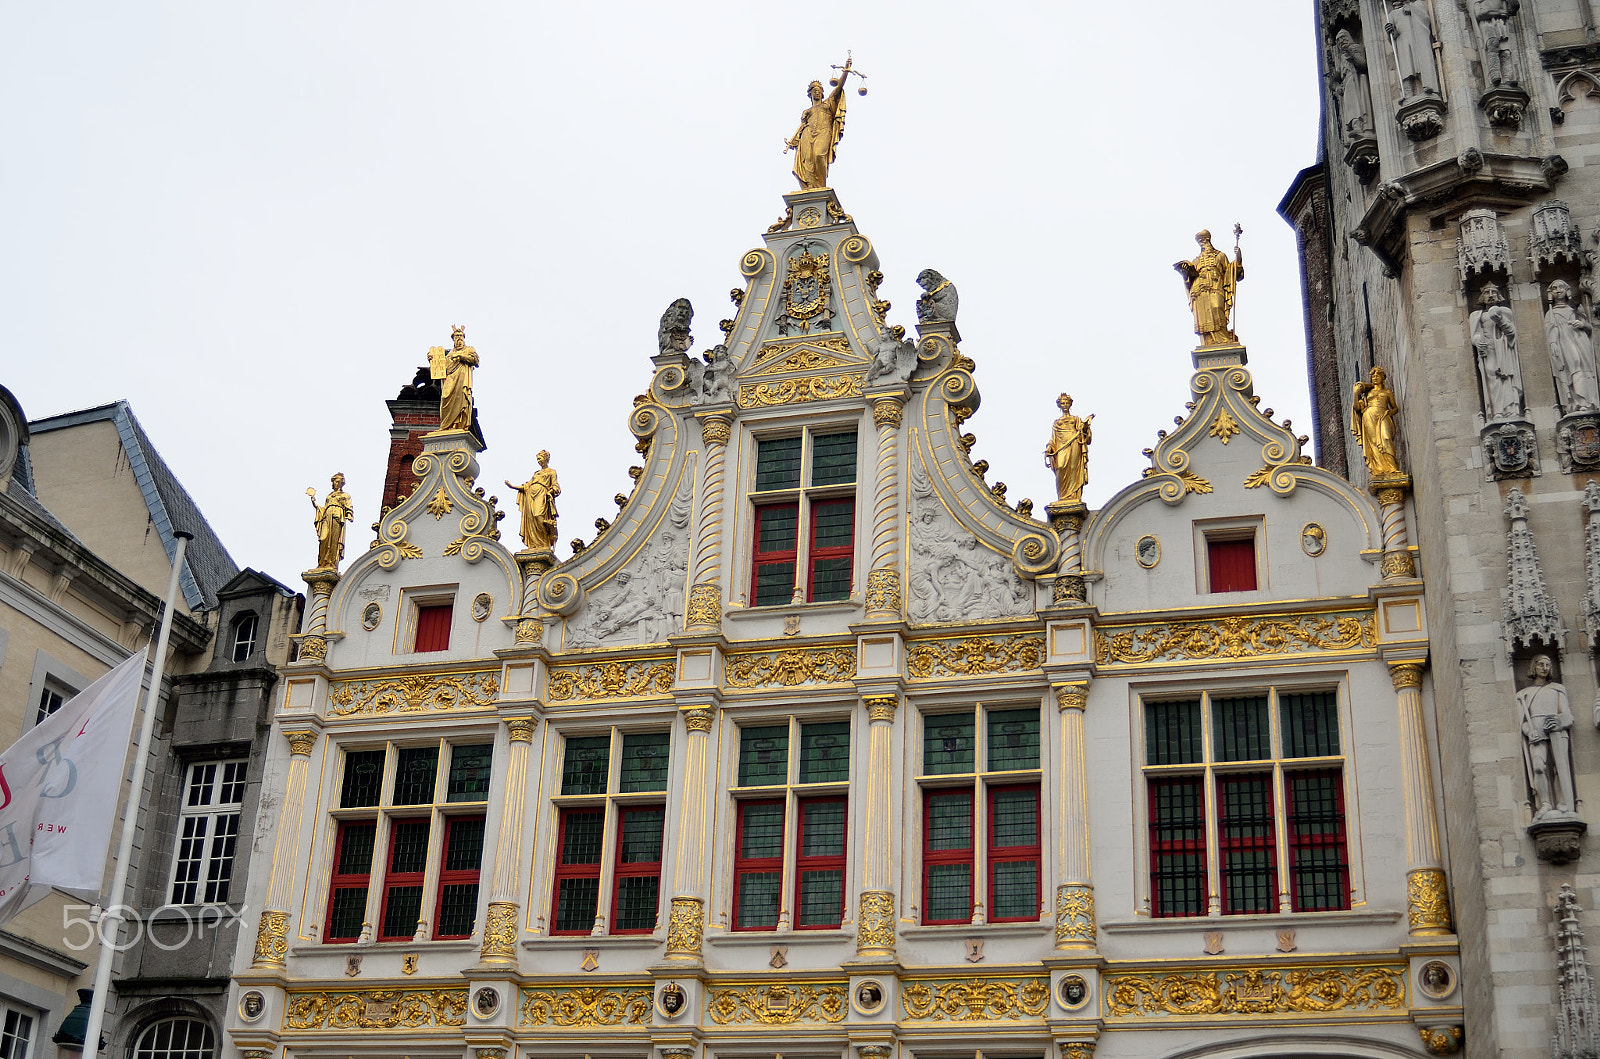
point(881, 707)
point(886, 411)
point(301, 742)
point(521, 728)
point(1072, 695)
point(1405, 675)
point(716, 428)
point(699, 718)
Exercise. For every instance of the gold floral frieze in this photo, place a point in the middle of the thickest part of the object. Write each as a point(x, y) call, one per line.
point(974, 656)
point(834, 343)
point(579, 1007)
point(611, 680)
point(791, 668)
point(779, 1004)
point(800, 391)
point(976, 999)
point(1350, 990)
point(804, 360)
point(419, 692)
point(376, 1009)
point(1226, 639)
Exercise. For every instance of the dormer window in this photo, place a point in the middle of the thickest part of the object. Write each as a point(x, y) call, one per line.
point(804, 491)
point(244, 637)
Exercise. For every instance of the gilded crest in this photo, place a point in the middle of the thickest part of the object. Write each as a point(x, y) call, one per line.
point(807, 289)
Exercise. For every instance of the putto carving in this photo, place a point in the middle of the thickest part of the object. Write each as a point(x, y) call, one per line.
point(807, 296)
point(711, 379)
point(939, 300)
point(893, 359)
point(1482, 249)
point(1530, 618)
point(953, 576)
point(1577, 1012)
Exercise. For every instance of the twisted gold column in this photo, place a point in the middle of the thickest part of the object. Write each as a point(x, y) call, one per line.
point(1067, 518)
point(686, 925)
point(704, 609)
point(1427, 892)
point(500, 926)
point(884, 596)
point(1075, 925)
point(1390, 489)
point(313, 644)
point(875, 925)
point(272, 935)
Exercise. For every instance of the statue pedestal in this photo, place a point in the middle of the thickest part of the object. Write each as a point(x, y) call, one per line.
point(1510, 449)
point(1556, 837)
point(1232, 355)
point(1578, 442)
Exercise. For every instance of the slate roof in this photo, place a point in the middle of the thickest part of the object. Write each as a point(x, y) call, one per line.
point(207, 564)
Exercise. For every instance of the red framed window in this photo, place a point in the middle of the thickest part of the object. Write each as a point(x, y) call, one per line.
point(577, 875)
point(456, 908)
point(1178, 847)
point(402, 881)
point(772, 581)
point(1014, 853)
point(819, 864)
point(433, 627)
point(636, 892)
point(352, 874)
point(758, 865)
point(947, 856)
point(1247, 844)
point(1319, 870)
point(832, 549)
point(1232, 564)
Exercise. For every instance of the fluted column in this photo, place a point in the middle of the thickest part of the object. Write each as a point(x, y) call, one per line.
point(1075, 925)
point(1391, 489)
point(313, 644)
point(686, 925)
point(500, 926)
point(1427, 894)
point(884, 596)
point(875, 925)
point(272, 935)
point(704, 610)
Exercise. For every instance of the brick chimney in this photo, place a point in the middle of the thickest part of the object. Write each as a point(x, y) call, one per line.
point(415, 412)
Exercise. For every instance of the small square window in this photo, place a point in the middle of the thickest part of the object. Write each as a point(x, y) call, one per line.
point(825, 752)
point(433, 627)
point(363, 778)
point(644, 762)
point(414, 779)
point(469, 772)
point(947, 744)
point(1231, 564)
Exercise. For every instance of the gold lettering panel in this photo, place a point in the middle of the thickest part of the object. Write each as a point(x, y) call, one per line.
point(1231, 638)
point(779, 1004)
point(1360, 990)
point(787, 669)
point(429, 691)
point(611, 680)
point(976, 999)
point(976, 656)
point(800, 391)
point(376, 1009)
point(598, 1006)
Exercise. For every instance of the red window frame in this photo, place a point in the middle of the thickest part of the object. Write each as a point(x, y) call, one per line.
point(772, 558)
point(743, 865)
point(636, 868)
point(572, 871)
point(1227, 844)
point(839, 551)
point(1012, 854)
point(456, 876)
point(1194, 847)
point(1232, 564)
point(1299, 842)
point(932, 856)
point(350, 881)
point(393, 879)
point(820, 862)
point(433, 627)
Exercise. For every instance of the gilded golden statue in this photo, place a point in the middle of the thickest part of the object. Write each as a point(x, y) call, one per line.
point(1068, 452)
point(816, 141)
point(537, 500)
point(1213, 284)
point(1372, 413)
point(454, 367)
point(330, 517)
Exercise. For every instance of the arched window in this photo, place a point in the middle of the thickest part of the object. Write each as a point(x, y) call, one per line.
point(244, 636)
point(176, 1039)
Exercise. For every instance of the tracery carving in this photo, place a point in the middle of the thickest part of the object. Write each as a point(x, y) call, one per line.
point(643, 602)
point(953, 577)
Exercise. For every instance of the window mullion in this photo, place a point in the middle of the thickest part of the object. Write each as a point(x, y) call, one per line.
point(432, 866)
point(609, 840)
point(372, 922)
point(980, 842)
point(789, 879)
point(1213, 835)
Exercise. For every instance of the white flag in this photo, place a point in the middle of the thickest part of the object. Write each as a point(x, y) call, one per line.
point(60, 786)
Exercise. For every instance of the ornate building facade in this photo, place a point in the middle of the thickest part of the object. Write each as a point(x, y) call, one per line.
point(823, 747)
point(1449, 236)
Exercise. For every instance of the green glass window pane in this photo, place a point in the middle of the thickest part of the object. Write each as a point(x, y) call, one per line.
point(464, 846)
point(586, 765)
point(949, 821)
point(408, 846)
point(1310, 723)
point(825, 752)
point(1015, 818)
point(833, 459)
point(644, 761)
point(761, 830)
point(576, 901)
point(778, 463)
point(823, 831)
point(949, 893)
point(415, 778)
point(363, 778)
point(778, 525)
point(774, 584)
point(1172, 732)
point(402, 907)
point(830, 579)
point(347, 911)
point(458, 908)
point(763, 755)
point(758, 900)
point(1016, 890)
point(833, 524)
point(1013, 739)
point(355, 852)
point(469, 773)
point(821, 898)
point(582, 835)
point(641, 836)
point(1241, 729)
point(947, 744)
point(638, 897)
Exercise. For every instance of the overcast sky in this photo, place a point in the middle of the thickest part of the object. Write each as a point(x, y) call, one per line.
point(252, 221)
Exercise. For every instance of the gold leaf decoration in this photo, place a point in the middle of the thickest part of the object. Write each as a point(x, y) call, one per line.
point(598, 1006)
point(800, 391)
point(408, 550)
point(787, 669)
point(971, 657)
point(779, 1004)
point(433, 691)
point(1223, 428)
point(1259, 478)
point(1192, 483)
point(834, 343)
point(440, 505)
point(1256, 991)
point(976, 999)
point(376, 1009)
point(803, 360)
point(611, 680)
point(1235, 637)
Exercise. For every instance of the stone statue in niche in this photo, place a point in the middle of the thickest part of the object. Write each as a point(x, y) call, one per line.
point(1410, 27)
point(1494, 31)
point(1348, 72)
point(1546, 720)
point(893, 359)
point(643, 602)
point(1494, 343)
point(954, 578)
point(1569, 333)
point(940, 301)
point(673, 334)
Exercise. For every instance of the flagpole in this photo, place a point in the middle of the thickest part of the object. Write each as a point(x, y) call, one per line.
point(130, 819)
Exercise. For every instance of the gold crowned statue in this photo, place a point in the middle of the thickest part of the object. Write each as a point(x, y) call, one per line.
point(330, 517)
point(816, 141)
point(1213, 284)
point(454, 367)
point(1372, 413)
point(537, 500)
point(1068, 452)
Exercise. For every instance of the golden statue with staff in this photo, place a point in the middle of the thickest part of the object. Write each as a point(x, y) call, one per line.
point(816, 142)
point(330, 517)
point(1213, 285)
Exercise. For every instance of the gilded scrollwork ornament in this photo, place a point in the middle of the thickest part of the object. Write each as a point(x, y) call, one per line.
point(1235, 637)
point(1427, 902)
point(500, 932)
point(1075, 925)
point(272, 939)
point(791, 668)
point(883, 590)
point(876, 921)
point(376, 1009)
point(423, 692)
point(704, 609)
point(974, 656)
point(685, 924)
point(1256, 991)
point(976, 999)
point(611, 680)
point(585, 1007)
point(778, 1004)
